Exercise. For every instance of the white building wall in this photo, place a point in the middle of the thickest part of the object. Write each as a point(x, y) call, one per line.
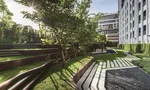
point(126, 20)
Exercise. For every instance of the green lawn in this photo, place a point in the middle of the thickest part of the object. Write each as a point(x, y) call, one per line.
point(104, 57)
point(144, 64)
point(52, 80)
point(11, 58)
point(7, 74)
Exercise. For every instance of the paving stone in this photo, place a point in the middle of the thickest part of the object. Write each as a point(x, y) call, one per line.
point(122, 62)
point(119, 64)
point(127, 64)
point(82, 79)
point(88, 81)
point(104, 65)
point(112, 64)
point(96, 77)
point(108, 64)
point(101, 84)
point(116, 65)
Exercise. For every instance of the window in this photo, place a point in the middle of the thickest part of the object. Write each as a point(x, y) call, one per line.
point(144, 15)
point(133, 24)
point(139, 18)
point(144, 2)
point(133, 13)
point(139, 31)
point(133, 3)
point(133, 34)
point(130, 35)
point(144, 30)
point(139, 6)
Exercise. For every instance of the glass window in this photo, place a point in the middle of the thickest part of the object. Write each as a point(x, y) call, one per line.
point(144, 15)
point(139, 18)
point(139, 31)
point(144, 2)
point(139, 6)
point(144, 30)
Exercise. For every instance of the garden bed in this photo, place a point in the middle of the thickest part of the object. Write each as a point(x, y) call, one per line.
point(61, 79)
point(7, 74)
point(14, 63)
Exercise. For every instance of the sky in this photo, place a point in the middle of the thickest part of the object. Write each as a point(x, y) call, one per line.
point(104, 6)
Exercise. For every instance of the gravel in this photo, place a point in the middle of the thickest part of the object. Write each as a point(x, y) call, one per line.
point(127, 79)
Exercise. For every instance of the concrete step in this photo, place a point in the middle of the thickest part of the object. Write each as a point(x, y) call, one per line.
point(108, 64)
point(85, 75)
point(112, 64)
point(89, 79)
point(96, 77)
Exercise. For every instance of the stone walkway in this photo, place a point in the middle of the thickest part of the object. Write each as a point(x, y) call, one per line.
point(94, 77)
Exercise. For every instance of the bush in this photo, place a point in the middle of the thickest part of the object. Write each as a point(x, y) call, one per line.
point(127, 47)
point(147, 49)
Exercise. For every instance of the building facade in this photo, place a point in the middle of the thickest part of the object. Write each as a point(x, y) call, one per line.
point(108, 25)
point(134, 21)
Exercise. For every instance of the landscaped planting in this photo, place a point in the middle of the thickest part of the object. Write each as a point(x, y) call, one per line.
point(59, 78)
point(7, 74)
point(105, 57)
point(11, 58)
point(144, 64)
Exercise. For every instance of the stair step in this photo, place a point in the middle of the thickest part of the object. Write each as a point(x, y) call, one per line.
point(20, 83)
point(82, 79)
point(96, 77)
point(33, 82)
point(88, 81)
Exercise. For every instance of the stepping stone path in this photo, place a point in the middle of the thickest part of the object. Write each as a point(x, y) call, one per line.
point(94, 77)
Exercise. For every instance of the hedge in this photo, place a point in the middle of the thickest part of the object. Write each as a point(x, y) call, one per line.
point(135, 48)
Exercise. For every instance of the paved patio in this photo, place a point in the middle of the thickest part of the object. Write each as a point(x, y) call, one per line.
point(98, 77)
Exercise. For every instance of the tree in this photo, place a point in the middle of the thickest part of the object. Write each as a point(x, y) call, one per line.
point(5, 18)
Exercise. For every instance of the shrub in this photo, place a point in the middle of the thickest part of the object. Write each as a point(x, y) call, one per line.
point(127, 47)
point(147, 49)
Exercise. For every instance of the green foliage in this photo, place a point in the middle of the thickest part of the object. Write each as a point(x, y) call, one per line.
point(127, 47)
point(53, 76)
point(136, 48)
point(7, 74)
point(144, 64)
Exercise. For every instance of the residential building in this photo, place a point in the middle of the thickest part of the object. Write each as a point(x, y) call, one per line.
point(108, 25)
point(134, 21)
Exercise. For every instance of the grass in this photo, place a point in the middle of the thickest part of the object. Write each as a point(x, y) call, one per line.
point(7, 74)
point(11, 58)
point(60, 79)
point(144, 64)
point(105, 57)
